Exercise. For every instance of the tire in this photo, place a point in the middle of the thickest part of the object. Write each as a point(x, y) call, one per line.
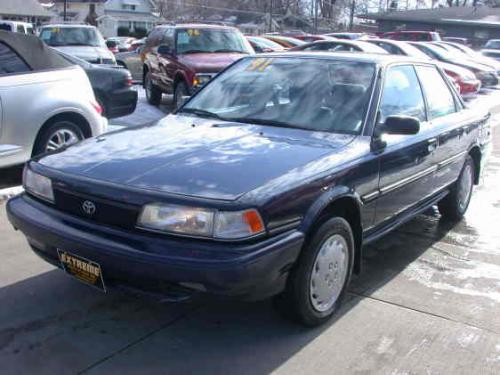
point(302, 299)
point(454, 206)
point(181, 90)
point(153, 93)
point(60, 134)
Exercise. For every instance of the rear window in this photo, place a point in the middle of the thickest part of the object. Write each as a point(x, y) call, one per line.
point(10, 62)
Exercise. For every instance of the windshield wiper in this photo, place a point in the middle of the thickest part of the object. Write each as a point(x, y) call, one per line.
point(228, 50)
point(259, 121)
point(194, 51)
point(201, 113)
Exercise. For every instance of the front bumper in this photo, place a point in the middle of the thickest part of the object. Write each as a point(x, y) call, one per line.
point(155, 263)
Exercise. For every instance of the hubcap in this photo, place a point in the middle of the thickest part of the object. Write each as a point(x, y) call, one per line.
point(329, 273)
point(61, 138)
point(465, 187)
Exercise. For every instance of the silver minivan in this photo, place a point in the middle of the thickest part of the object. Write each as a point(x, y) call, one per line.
point(17, 27)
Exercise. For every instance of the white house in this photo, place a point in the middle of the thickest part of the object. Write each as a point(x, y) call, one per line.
point(127, 16)
point(26, 10)
point(82, 11)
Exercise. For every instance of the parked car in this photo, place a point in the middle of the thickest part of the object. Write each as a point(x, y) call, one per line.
point(112, 46)
point(471, 54)
point(309, 38)
point(185, 207)
point(112, 87)
point(491, 53)
point(285, 41)
point(138, 43)
point(17, 26)
point(341, 46)
point(414, 36)
point(260, 44)
point(46, 103)
point(349, 36)
point(132, 61)
point(82, 41)
point(180, 59)
point(452, 39)
point(487, 75)
point(123, 42)
point(492, 44)
point(467, 83)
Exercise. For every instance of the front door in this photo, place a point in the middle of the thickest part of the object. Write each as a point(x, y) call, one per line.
point(406, 164)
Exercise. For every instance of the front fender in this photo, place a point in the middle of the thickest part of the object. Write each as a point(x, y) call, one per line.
point(328, 197)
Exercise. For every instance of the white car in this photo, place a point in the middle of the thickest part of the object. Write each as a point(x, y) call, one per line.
point(17, 27)
point(45, 102)
point(82, 41)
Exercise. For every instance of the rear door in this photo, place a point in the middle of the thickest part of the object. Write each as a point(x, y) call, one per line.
point(406, 163)
point(453, 125)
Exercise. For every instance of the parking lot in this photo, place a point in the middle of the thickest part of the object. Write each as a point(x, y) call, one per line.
point(427, 302)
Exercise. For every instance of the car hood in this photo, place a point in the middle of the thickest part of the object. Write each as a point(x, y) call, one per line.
point(87, 53)
point(196, 157)
point(209, 62)
point(472, 65)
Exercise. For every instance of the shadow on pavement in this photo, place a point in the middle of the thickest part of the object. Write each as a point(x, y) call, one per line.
point(52, 324)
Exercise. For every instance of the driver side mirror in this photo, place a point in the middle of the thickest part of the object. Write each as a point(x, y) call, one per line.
point(397, 125)
point(163, 49)
point(400, 125)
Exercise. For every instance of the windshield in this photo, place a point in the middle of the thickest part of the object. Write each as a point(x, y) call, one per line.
point(71, 36)
point(313, 94)
point(493, 44)
point(210, 40)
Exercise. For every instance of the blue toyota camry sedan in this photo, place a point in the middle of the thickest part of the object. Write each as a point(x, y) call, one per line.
point(267, 182)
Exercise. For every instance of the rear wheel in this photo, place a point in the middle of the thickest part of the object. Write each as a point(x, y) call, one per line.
point(153, 93)
point(60, 134)
point(455, 204)
point(317, 284)
point(181, 91)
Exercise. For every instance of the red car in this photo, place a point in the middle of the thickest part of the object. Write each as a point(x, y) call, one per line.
point(414, 36)
point(179, 59)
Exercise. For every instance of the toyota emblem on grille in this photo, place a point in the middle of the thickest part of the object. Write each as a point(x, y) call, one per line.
point(88, 207)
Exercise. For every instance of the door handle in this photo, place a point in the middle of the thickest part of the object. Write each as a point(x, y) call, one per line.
point(432, 145)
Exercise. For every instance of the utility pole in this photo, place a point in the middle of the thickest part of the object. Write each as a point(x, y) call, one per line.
point(65, 6)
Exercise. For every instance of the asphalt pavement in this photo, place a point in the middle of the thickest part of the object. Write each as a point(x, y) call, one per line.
point(427, 302)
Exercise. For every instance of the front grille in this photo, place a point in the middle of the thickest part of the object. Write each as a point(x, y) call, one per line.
point(107, 212)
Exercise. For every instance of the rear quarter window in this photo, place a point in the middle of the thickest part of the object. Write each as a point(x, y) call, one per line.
point(10, 62)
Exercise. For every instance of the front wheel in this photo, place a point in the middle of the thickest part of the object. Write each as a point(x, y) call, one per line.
point(318, 282)
point(181, 91)
point(455, 204)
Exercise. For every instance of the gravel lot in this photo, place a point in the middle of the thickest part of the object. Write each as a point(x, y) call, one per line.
point(427, 302)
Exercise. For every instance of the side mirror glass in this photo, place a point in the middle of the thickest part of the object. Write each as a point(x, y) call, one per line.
point(165, 50)
point(400, 125)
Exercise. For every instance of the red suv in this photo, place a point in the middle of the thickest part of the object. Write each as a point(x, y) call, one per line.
point(414, 36)
point(178, 59)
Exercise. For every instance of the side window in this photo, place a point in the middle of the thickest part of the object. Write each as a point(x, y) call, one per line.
point(401, 94)
point(440, 100)
point(10, 62)
point(20, 29)
point(168, 37)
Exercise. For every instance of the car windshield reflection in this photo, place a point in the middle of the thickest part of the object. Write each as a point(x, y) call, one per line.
point(317, 94)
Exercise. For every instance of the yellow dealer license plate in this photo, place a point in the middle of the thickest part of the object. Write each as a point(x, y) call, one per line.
point(83, 269)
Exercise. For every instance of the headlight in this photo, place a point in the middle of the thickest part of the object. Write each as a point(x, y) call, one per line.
point(38, 185)
point(201, 79)
point(201, 222)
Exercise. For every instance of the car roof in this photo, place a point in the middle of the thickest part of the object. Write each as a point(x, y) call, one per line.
point(33, 51)
point(61, 25)
point(380, 59)
point(197, 26)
